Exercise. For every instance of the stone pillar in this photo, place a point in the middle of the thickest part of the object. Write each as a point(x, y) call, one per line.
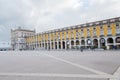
point(79, 43)
point(57, 45)
point(47, 45)
point(85, 43)
point(75, 44)
point(65, 44)
point(41, 44)
point(91, 41)
point(36, 45)
point(61, 45)
point(98, 42)
point(114, 42)
point(54, 45)
point(69, 44)
point(106, 44)
point(50, 45)
point(44, 45)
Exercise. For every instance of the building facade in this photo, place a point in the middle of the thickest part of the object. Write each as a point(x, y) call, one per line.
point(18, 38)
point(100, 34)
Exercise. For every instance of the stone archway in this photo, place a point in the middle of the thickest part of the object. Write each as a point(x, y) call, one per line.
point(89, 43)
point(83, 43)
point(102, 43)
point(59, 45)
point(55, 45)
point(49, 46)
point(40, 45)
point(77, 44)
point(68, 44)
point(95, 43)
point(45, 45)
point(52, 45)
point(63, 44)
point(72, 44)
point(110, 43)
point(117, 40)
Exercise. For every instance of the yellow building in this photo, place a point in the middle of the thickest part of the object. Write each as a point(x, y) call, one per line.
point(100, 34)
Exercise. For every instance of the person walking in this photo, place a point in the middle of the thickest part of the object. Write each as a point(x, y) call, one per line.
point(81, 49)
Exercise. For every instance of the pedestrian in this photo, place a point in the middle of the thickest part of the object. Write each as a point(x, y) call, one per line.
point(81, 49)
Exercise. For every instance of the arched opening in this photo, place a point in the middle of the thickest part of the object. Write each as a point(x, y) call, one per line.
point(102, 43)
point(59, 45)
point(110, 43)
point(95, 43)
point(40, 45)
point(89, 43)
point(117, 42)
point(63, 43)
point(55, 45)
point(83, 43)
point(68, 44)
point(49, 46)
point(77, 44)
point(72, 44)
point(45, 45)
point(52, 45)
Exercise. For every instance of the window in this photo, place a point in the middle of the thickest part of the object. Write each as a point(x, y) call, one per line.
point(117, 24)
point(88, 32)
point(82, 33)
point(72, 35)
point(67, 34)
point(118, 29)
point(101, 30)
point(94, 31)
point(62, 35)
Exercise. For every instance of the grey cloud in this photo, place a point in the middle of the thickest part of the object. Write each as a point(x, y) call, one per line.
point(45, 15)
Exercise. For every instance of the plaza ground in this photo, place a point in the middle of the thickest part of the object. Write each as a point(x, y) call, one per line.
point(58, 65)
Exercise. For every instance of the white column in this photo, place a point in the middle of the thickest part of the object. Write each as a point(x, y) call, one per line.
point(98, 42)
point(75, 44)
point(57, 45)
point(54, 44)
point(18, 46)
point(85, 42)
point(70, 44)
point(36, 42)
point(50, 45)
point(92, 42)
point(65, 45)
point(41, 45)
point(61, 45)
point(106, 44)
point(44, 45)
point(79, 43)
point(47, 46)
point(114, 43)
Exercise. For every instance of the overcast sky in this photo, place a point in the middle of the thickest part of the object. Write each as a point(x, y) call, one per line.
point(44, 15)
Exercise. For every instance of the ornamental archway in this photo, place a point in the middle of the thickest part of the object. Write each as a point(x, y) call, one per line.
point(110, 43)
point(95, 43)
point(117, 40)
